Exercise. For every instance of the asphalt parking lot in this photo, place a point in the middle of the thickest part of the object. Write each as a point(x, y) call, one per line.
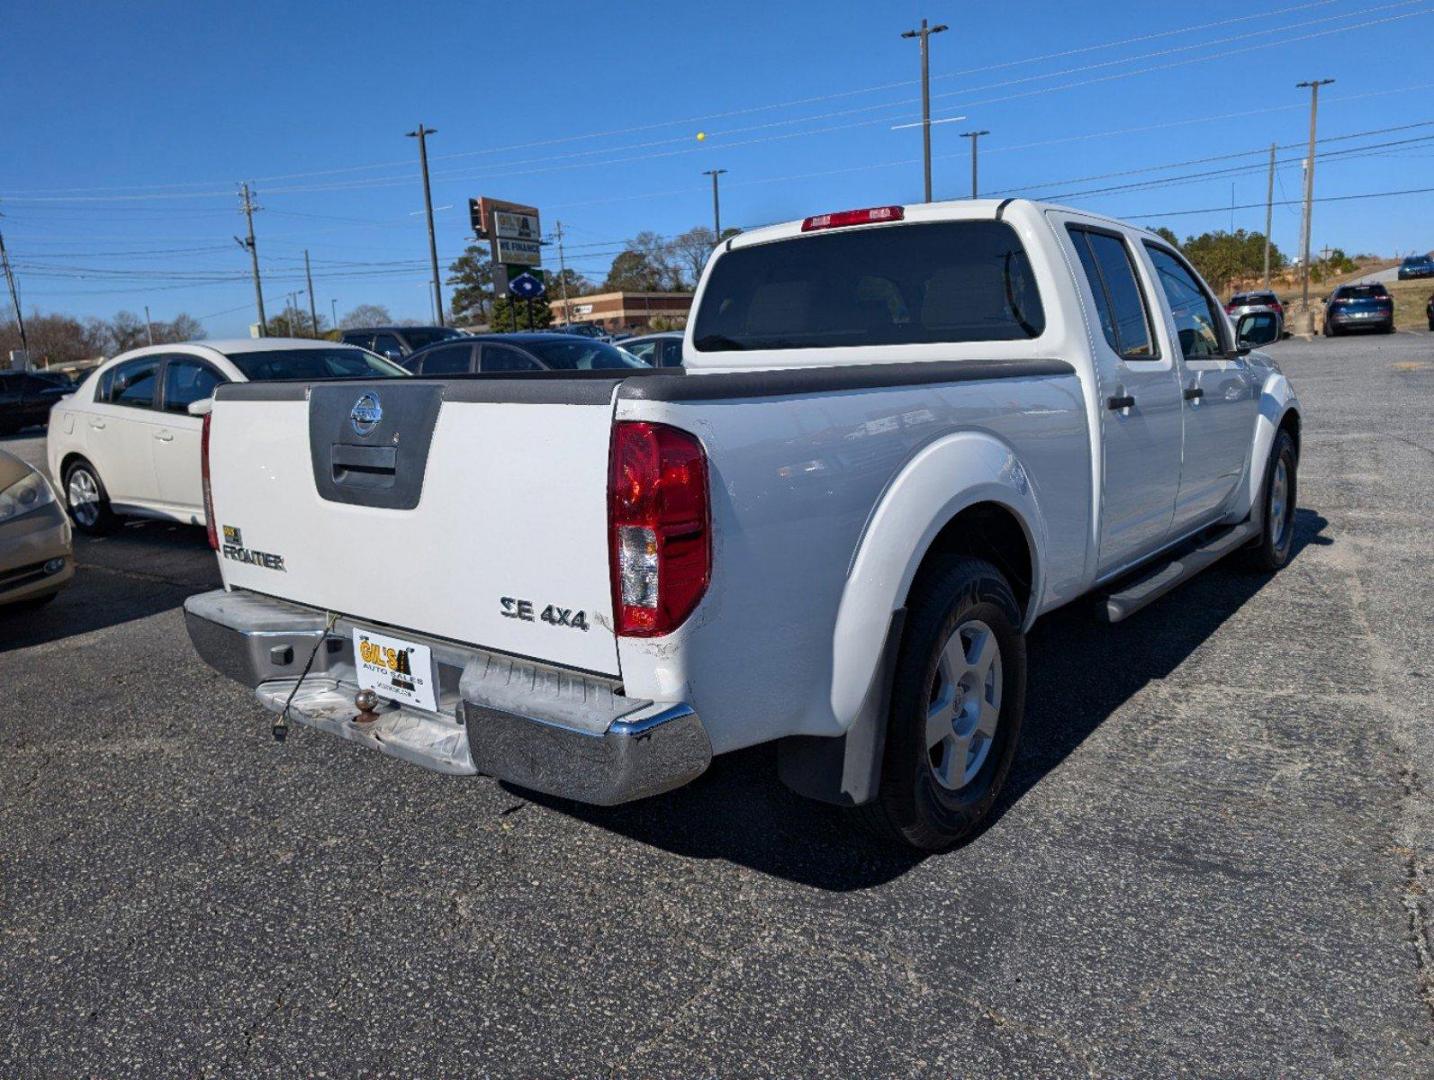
point(1214, 856)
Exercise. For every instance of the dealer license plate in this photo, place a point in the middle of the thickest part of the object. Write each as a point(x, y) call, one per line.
point(394, 669)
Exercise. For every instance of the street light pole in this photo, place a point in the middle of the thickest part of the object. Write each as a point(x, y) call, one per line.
point(716, 207)
point(334, 310)
point(1314, 86)
point(924, 33)
point(422, 136)
point(975, 137)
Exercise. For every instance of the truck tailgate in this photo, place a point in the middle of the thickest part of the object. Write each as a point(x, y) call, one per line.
point(426, 505)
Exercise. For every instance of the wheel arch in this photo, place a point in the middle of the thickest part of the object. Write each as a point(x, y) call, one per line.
point(1279, 411)
point(965, 494)
point(72, 458)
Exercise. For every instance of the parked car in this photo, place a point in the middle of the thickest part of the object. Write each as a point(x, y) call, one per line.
point(524, 351)
point(583, 329)
point(26, 400)
point(1258, 300)
point(901, 435)
point(659, 350)
point(396, 342)
point(125, 442)
point(35, 557)
point(1429, 310)
point(1359, 307)
point(1416, 266)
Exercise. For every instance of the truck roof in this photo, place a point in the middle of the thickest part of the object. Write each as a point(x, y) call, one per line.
point(949, 210)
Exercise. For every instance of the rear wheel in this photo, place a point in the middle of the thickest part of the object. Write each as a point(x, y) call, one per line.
point(1277, 507)
point(958, 698)
point(87, 500)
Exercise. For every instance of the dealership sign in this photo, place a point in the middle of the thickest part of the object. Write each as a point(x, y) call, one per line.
point(514, 234)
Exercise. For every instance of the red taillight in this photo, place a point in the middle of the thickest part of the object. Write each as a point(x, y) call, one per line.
point(854, 217)
point(208, 492)
point(1229, 309)
point(659, 534)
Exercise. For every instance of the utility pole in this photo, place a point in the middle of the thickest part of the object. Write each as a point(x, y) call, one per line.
point(422, 136)
point(148, 325)
point(248, 242)
point(14, 294)
point(716, 207)
point(562, 273)
point(313, 315)
point(1269, 213)
point(924, 33)
point(1314, 86)
point(334, 310)
point(975, 137)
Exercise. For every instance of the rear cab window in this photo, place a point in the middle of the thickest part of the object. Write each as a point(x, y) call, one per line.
point(1119, 298)
point(908, 284)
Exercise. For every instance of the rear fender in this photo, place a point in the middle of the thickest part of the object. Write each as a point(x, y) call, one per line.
point(943, 479)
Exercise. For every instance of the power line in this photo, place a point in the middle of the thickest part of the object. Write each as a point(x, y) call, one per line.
point(748, 110)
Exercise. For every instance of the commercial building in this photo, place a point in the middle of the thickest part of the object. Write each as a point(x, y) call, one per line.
point(624, 310)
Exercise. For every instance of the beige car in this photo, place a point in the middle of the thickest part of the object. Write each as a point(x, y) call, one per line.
point(35, 555)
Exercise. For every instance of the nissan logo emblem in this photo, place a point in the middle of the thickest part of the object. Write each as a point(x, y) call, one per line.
point(366, 414)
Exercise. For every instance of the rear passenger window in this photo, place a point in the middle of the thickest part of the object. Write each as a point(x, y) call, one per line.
point(449, 360)
point(953, 281)
point(187, 381)
point(1118, 297)
point(506, 358)
point(130, 384)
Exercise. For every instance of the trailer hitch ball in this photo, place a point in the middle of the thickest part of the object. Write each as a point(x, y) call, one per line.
point(367, 701)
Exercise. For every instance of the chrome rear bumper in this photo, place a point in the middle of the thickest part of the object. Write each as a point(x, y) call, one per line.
point(555, 731)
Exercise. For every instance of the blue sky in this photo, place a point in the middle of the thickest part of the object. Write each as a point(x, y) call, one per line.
point(129, 126)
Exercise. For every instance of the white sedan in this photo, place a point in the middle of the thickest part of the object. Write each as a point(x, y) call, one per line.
point(125, 443)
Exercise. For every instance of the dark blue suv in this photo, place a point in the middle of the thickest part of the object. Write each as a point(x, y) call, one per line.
point(1359, 307)
point(1416, 266)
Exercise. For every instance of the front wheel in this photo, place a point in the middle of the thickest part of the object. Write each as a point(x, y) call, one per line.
point(958, 698)
point(1277, 507)
point(87, 500)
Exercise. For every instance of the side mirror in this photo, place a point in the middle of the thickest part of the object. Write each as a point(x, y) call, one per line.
point(201, 407)
point(393, 355)
point(1256, 328)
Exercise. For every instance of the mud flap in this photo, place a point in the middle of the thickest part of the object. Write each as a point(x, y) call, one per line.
point(846, 770)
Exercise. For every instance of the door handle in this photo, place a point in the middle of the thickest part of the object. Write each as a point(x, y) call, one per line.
point(98, 425)
point(1194, 393)
point(164, 436)
point(1124, 402)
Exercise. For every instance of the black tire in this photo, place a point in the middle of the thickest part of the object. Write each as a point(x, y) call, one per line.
point(1272, 552)
point(104, 518)
point(1329, 330)
point(914, 807)
point(1389, 329)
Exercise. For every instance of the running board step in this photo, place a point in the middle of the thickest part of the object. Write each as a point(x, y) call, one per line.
point(1154, 581)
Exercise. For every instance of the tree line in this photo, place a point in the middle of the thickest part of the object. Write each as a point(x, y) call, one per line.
point(648, 262)
point(57, 339)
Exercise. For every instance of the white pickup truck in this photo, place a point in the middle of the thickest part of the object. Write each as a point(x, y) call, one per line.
point(900, 436)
